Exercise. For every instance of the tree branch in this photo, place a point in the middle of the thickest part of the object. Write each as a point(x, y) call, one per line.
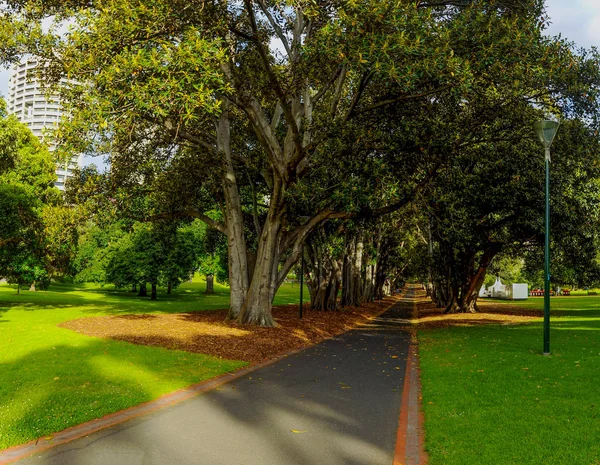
point(364, 82)
point(328, 84)
point(276, 27)
point(400, 98)
point(191, 214)
point(178, 132)
point(12, 240)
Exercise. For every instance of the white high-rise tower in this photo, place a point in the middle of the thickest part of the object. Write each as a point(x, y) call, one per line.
point(28, 103)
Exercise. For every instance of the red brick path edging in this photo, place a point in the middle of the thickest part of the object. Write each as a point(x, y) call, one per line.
point(12, 454)
point(15, 453)
point(410, 439)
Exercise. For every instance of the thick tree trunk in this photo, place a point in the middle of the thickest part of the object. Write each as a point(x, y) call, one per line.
point(257, 306)
point(357, 277)
point(234, 222)
point(169, 288)
point(464, 297)
point(336, 273)
point(354, 282)
point(326, 273)
point(32, 287)
point(312, 285)
point(210, 289)
point(346, 286)
point(349, 275)
point(153, 294)
point(368, 294)
point(328, 286)
point(143, 291)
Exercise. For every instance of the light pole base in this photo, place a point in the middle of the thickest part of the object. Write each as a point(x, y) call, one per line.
point(546, 354)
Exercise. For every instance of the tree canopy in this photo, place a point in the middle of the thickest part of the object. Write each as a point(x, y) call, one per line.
point(286, 116)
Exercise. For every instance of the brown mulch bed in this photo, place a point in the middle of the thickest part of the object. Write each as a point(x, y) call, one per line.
point(489, 313)
point(206, 331)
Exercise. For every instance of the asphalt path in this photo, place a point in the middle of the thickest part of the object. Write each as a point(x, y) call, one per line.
point(336, 403)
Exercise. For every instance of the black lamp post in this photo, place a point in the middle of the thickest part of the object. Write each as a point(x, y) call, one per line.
point(546, 130)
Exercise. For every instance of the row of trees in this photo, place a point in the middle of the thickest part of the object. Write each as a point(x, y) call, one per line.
point(44, 234)
point(352, 132)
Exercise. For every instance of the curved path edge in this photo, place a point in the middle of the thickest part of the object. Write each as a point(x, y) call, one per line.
point(19, 452)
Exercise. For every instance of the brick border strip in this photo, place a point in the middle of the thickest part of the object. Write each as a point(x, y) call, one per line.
point(410, 439)
point(19, 452)
point(14, 453)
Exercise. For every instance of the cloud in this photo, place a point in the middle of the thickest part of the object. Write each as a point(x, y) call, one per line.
point(577, 20)
point(593, 30)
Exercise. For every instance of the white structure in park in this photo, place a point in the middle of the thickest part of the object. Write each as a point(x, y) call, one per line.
point(498, 289)
point(28, 103)
point(517, 291)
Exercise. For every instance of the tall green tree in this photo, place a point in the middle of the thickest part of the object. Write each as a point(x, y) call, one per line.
point(164, 80)
point(26, 188)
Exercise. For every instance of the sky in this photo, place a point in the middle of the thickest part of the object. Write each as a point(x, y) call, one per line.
point(576, 20)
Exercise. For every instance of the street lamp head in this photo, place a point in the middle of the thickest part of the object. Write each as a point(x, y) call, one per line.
point(546, 130)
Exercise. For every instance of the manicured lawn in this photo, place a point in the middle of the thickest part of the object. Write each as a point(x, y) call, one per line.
point(559, 305)
point(52, 378)
point(491, 397)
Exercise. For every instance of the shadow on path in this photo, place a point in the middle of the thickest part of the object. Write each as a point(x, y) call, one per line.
point(336, 403)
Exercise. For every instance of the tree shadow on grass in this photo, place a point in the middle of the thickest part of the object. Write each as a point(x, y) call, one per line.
point(49, 390)
point(132, 305)
point(323, 412)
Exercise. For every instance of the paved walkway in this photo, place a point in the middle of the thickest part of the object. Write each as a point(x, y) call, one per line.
point(333, 404)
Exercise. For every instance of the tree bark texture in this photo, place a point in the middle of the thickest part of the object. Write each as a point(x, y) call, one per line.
point(458, 288)
point(210, 288)
point(257, 306)
point(325, 277)
point(234, 222)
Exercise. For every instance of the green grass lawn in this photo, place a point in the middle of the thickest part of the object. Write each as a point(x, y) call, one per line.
point(52, 378)
point(559, 305)
point(491, 397)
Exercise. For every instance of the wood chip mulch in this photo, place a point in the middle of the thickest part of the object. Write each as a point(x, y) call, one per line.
point(207, 332)
point(431, 317)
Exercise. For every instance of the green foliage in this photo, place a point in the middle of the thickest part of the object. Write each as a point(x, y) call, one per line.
point(155, 253)
point(183, 254)
point(21, 251)
point(25, 269)
point(94, 250)
point(19, 212)
point(26, 188)
point(365, 107)
point(31, 164)
point(9, 140)
point(213, 257)
point(61, 235)
point(509, 269)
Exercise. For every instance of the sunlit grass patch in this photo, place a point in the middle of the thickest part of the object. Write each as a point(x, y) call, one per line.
point(491, 397)
point(52, 378)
